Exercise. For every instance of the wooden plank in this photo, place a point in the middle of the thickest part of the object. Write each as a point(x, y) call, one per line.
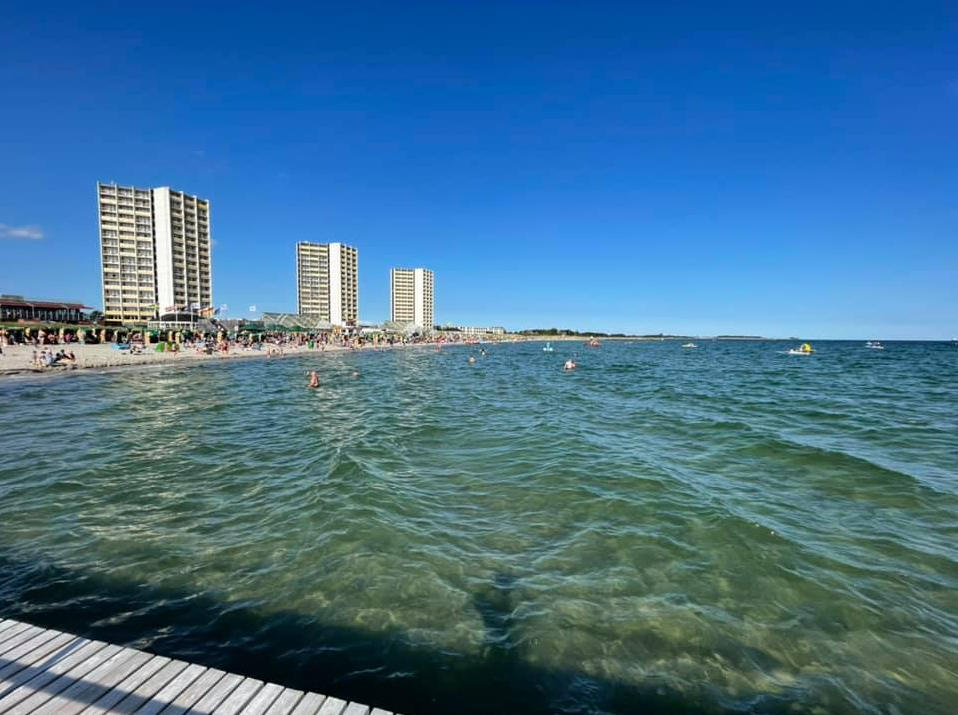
point(31, 652)
point(11, 628)
point(34, 693)
point(238, 698)
point(95, 684)
point(46, 672)
point(188, 697)
point(286, 702)
point(16, 635)
point(217, 694)
point(332, 706)
point(49, 666)
point(129, 687)
point(310, 704)
point(175, 691)
point(263, 699)
point(19, 639)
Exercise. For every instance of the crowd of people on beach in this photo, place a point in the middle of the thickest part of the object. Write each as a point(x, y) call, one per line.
point(46, 358)
point(36, 338)
point(52, 347)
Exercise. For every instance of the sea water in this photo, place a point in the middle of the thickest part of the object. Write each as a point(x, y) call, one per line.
point(663, 530)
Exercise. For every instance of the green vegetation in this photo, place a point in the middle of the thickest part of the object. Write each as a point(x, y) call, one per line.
point(550, 332)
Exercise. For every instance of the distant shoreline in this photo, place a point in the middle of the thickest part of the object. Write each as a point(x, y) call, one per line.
point(17, 360)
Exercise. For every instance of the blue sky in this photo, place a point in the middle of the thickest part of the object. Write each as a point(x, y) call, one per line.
point(703, 168)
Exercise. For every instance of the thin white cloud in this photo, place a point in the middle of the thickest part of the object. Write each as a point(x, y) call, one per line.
point(30, 233)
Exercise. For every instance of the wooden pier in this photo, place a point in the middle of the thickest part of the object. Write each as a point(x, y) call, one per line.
point(46, 672)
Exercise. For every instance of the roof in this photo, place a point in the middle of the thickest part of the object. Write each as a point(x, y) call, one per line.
point(297, 321)
point(19, 302)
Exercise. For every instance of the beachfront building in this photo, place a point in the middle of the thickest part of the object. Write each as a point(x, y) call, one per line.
point(17, 309)
point(295, 323)
point(471, 331)
point(154, 252)
point(327, 282)
point(411, 297)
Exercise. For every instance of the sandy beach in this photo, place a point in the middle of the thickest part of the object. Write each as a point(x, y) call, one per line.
point(18, 359)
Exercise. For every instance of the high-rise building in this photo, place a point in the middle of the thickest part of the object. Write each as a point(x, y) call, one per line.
point(327, 281)
point(411, 296)
point(154, 252)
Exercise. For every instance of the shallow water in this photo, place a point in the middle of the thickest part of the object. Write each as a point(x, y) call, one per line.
point(728, 529)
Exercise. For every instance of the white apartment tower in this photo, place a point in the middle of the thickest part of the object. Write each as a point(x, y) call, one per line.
point(154, 252)
point(411, 296)
point(327, 281)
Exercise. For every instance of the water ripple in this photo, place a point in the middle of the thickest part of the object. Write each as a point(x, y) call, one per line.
point(720, 530)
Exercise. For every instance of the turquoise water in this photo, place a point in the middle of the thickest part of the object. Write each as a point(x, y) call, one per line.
point(721, 530)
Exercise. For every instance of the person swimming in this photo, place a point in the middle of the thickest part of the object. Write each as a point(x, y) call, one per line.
point(472, 359)
point(569, 364)
point(313, 379)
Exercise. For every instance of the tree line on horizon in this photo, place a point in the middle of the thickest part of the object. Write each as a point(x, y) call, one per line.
point(586, 333)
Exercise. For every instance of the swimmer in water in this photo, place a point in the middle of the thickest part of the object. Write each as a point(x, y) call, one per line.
point(482, 351)
point(569, 364)
point(472, 359)
point(313, 379)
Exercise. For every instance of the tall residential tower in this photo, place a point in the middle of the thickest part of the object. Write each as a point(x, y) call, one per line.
point(327, 281)
point(411, 296)
point(154, 252)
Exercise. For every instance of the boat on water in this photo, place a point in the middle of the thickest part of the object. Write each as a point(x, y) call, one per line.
point(548, 348)
point(690, 345)
point(874, 345)
point(803, 349)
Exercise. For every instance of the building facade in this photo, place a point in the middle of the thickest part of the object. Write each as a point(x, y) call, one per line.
point(181, 228)
point(16, 308)
point(476, 331)
point(411, 296)
point(327, 281)
point(154, 252)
